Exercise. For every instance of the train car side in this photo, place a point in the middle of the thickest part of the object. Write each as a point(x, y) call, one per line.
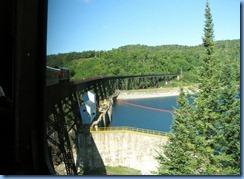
point(52, 76)
point(64, 75)
point(55, 75)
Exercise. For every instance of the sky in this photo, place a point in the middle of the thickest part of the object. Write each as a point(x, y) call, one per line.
point(81, 25)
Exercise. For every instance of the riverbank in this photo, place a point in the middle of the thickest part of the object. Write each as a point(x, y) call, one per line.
point(150, 93)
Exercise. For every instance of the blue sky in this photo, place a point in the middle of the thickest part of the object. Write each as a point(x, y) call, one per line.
point(79, 25)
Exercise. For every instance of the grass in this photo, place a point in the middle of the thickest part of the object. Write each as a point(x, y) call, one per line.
point(121, 171)
point(108, 170)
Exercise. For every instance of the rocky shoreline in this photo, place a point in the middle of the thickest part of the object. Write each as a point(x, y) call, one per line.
point(150, 93)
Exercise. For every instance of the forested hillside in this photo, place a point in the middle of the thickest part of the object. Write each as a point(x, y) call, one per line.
point(142, 59)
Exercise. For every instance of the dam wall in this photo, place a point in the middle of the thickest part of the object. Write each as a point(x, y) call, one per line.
point(122, 148)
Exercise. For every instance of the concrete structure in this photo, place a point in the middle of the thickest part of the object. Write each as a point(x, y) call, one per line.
point(64, 111)
point(88, 109)
point(121, 148)
point(91, 109)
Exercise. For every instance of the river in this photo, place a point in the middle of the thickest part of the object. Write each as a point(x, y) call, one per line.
point(147, 113)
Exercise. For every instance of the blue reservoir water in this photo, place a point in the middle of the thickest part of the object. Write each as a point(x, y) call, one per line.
point(151, 113)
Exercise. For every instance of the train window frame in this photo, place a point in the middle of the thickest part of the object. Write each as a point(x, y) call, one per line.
point(29, 63)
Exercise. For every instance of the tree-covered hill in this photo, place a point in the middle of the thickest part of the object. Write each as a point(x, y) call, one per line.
point(142, 59)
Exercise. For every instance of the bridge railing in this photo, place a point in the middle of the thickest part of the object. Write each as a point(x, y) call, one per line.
point(127, 128)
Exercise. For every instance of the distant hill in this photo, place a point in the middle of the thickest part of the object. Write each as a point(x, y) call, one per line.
point(141, 59)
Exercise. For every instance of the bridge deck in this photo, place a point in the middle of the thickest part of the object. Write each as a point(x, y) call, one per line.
point(122, 77)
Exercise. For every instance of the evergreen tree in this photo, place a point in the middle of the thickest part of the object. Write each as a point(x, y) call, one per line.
point(228, 142)
point(206, 140)
point(217, 110)
point(178, 157)
point(207, 101)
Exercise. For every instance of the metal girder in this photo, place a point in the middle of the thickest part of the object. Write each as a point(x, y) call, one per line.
point(64, 101)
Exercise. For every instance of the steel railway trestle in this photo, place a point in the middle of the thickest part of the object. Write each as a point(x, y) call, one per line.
point(64, 121)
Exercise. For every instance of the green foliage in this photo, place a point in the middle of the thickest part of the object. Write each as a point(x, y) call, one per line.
point(142, 59)
point(179, 153)
point(208, 39)
point(206, 134)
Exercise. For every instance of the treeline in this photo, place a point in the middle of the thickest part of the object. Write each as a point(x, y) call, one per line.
point(142, 59)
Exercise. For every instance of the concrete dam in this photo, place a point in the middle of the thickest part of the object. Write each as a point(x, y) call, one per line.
point(121, 147)
point(78, 143)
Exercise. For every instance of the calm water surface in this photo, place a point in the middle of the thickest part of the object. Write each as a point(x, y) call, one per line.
point(134, 116)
